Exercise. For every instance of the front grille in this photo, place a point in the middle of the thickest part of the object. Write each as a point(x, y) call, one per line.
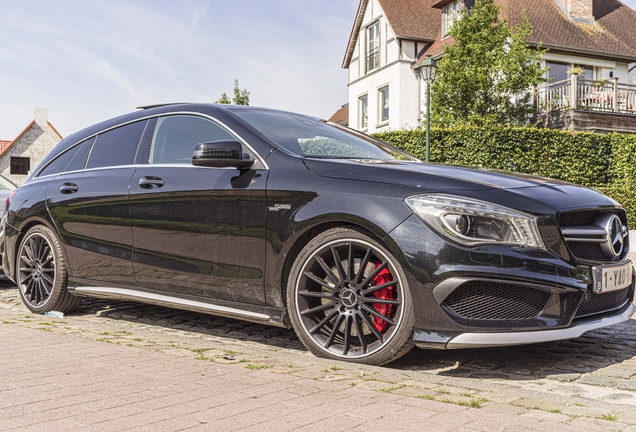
point(584, 232)
point(577, 218)
point(496, 301)
point(599, 303)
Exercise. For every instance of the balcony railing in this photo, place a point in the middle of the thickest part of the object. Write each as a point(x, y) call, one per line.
point(605, 96)
point(373, 59)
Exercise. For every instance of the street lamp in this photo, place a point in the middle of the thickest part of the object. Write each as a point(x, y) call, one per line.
point(428, 67)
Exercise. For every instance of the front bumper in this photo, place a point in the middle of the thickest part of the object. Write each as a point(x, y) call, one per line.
point(496, 296)
point(425, 339)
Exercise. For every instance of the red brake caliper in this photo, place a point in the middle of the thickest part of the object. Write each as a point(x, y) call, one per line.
point(385, 293)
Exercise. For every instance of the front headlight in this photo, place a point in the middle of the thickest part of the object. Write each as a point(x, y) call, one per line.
point(472, 222)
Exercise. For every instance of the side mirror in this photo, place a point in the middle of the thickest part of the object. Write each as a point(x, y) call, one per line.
point(221, 154)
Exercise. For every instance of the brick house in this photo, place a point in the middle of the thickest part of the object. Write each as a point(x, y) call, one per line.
point(19, 156)
point(391, 37)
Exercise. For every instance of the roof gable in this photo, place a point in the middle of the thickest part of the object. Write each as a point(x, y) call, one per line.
point(6, 145)
point(409, 19)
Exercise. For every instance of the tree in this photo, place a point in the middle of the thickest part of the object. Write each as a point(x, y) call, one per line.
point(224, 99)
point(241, 97)
point(487, 75)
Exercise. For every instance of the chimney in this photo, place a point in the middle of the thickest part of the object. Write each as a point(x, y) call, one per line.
point(41, 116)
point(580, 10)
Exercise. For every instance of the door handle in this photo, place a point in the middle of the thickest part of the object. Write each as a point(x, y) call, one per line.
point(149, 182)
point(69, 188)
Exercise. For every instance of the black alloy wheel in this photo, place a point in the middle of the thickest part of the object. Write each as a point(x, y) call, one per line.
point(41, 273)
point(349, 300)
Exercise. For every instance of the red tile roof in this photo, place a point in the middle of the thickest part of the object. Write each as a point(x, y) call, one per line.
point(4, 144)
point(413, 19)
point(341, 116)
point(612, 36)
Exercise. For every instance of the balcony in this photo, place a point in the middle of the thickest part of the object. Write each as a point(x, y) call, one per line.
point(586, 105)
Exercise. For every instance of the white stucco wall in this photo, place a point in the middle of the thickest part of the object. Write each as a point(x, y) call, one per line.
point(35, 144)
point(395, 71)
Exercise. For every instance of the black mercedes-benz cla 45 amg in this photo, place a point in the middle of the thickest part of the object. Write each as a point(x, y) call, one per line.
point(280, 218)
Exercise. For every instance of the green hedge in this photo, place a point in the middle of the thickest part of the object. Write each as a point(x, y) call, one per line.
point(604, 162)
point(626, 195)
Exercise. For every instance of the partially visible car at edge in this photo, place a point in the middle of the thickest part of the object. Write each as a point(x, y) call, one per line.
point(280, 218)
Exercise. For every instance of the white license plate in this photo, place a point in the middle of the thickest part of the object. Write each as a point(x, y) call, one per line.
point(612, 277)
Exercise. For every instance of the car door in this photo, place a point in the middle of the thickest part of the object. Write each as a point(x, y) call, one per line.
point(198, 231)
point(88, 203)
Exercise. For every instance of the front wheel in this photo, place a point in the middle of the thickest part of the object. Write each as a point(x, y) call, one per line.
point(41, 273)
point(348, 299)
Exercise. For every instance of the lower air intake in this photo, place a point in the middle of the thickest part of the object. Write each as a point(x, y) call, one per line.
point(598, 303)
point(496, 301)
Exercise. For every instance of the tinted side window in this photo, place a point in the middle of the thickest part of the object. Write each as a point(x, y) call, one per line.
point(117, 146)
point(61, 162)
point(79, 161)
point(177, 136)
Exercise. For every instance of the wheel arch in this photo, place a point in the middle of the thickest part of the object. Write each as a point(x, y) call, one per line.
point(24, 227)
point(310, 231)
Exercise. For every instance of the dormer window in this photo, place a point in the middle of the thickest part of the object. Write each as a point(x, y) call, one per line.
point(450, 13)
point(373, 46)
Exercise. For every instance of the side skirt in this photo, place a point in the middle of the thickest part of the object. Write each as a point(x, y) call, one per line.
point(253, 313)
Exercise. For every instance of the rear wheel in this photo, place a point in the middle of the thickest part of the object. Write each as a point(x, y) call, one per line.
point(41, 273)
point(348, 299)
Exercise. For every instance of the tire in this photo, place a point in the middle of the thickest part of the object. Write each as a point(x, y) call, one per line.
point(41, 273)
point(361, 313)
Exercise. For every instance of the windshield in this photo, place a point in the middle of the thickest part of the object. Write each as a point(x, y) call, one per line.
point(306, 136)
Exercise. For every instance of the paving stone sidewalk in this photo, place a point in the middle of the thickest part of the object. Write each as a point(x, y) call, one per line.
point(587, 383)
point(52, 381)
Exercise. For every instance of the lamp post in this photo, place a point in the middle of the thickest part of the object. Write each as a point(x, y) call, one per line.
point(428, 67)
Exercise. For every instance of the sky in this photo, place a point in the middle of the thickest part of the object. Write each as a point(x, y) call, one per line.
point(90, 60)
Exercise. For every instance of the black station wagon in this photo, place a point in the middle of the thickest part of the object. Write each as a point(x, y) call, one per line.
point(280, 218)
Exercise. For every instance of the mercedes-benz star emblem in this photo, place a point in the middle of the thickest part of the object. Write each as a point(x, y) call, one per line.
point(349, 298)
point(614, 237)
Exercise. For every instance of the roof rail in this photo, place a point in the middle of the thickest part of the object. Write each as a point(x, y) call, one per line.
point(143, 107)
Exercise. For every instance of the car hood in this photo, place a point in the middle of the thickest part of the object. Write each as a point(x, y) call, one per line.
point(522, 191)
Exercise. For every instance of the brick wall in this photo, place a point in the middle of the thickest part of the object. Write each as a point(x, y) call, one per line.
point(35, 143)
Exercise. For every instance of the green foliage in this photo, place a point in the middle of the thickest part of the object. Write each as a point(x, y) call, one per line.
point(623, 163)
point(604, 162)
point(241, 96)
point(224, 99)
point(626, 196)
point(485, 77)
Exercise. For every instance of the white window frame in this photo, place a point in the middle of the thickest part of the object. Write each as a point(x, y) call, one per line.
point(372, 48)
point(381, 105)
point(450, 13)
point(363, 111)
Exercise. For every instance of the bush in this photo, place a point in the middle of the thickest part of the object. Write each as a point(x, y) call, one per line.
point(605, 162)
point(626, 196)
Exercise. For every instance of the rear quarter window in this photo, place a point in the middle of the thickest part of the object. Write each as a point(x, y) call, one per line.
point(71, 160)
point(117, 146)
